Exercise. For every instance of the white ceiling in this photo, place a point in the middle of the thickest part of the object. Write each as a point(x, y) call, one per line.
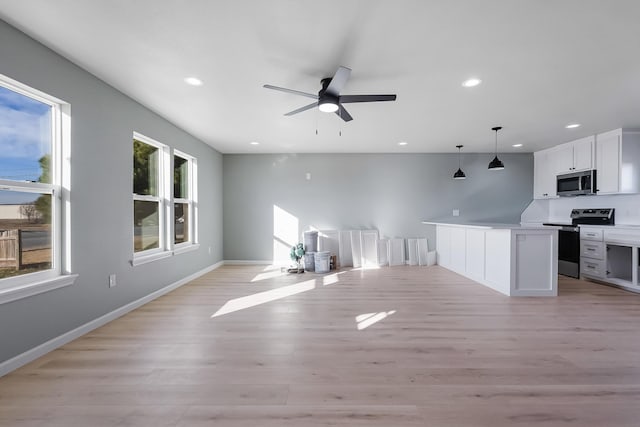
point(544, 64)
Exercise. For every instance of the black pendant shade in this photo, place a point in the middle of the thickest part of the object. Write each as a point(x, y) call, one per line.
point(459, 174)
point(496, 164)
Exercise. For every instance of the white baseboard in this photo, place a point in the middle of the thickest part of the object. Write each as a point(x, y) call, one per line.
point(31, 355)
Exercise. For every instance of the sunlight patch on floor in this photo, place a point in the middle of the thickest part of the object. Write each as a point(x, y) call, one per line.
point(268, 275)
point(363, 321)
point(331, 279)
point(249, 301)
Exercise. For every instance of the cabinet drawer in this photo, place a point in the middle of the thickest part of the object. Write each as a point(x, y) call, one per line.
point(588, 233)
point(622, 235)
point(593, 268)
point(592, 249)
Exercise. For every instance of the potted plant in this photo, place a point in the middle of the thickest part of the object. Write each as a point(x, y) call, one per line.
point(296, 254)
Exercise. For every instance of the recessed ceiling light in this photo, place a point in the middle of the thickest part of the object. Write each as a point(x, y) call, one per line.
point(403, 143)
point(517, 145)
point(254, 143)
point(573, 126)
point(193, 81)
point(471, 82)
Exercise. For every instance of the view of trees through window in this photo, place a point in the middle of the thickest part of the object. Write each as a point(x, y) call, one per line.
point(146, 203)
point(25, 210)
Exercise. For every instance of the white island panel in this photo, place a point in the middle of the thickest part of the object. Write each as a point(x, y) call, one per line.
point(497, 260)
point(516, 260)
point(458, 250)
point(539, 277)
point(475, 253)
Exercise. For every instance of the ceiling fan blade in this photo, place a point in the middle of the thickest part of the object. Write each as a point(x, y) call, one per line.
point(344, 99)
point(301, 109)
point(295, 92)
point(343, 114)
point(338, 80)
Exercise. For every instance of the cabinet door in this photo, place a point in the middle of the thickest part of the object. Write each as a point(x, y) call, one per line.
point(583, 154)
point(563, 158)
point(544, 174)
point(608, 162)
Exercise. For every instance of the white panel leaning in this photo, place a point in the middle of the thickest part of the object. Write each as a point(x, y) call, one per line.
point(344, 249)
point(412, 248)
point(383, 252)
point(423, 251)
point(356, 248)
point(396, 252)
point(369, 247)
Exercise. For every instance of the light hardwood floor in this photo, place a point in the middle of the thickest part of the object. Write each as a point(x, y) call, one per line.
point(448, 353)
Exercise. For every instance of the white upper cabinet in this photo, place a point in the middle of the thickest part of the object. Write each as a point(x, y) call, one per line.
point(618, 161)
point(583, 153)
point(544, 174)
point(575, 156)
point(608, 162)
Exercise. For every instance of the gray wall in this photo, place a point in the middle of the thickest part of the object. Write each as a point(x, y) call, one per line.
point(103, 121)
point(390, 192)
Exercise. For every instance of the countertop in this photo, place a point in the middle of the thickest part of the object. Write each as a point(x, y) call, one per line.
point(488, 225)
point(616, 226)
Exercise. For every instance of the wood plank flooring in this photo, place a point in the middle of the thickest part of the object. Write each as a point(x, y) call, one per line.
point(400, 346)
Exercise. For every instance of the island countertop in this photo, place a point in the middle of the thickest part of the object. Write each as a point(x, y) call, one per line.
point(488, 225)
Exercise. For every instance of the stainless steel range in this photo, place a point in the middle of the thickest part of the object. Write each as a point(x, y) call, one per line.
point(569, 237)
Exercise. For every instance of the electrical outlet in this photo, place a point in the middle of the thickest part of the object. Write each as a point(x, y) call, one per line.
point(209, 250)
point(308, 176)
point(456, 212)
point(112, 280)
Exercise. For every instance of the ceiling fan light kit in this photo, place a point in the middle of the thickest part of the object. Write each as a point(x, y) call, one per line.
point(496, 164)
point(328, 99)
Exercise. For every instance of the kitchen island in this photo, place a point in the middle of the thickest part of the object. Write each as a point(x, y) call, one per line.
point(514, 259)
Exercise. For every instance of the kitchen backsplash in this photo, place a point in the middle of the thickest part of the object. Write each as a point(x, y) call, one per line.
point(627, 208)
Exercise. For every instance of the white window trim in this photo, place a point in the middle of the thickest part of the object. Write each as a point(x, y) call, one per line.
point(166, 202)
point(143, 257)
point(18, 287)
point(191, 200)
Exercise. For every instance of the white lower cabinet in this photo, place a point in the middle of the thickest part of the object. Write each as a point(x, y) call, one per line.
point(591, 249)
point(595, 268)
point(611, 255)
point(511, 260)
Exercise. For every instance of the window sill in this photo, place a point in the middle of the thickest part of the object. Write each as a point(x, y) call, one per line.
point(186, 248)
point(31, 289)
point(139, 260)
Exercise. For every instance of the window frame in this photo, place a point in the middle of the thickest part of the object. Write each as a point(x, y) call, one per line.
point(161, 251)
point(59, 275)
point(166, 214)
point(190, 200)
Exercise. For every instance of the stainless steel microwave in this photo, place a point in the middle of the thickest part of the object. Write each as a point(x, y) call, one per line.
point(577, 183)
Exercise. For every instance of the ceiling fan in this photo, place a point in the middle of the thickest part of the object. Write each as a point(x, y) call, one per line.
point(329, 100)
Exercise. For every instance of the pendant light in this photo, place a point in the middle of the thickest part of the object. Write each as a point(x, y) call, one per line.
point(496, 164)
point(459, 174)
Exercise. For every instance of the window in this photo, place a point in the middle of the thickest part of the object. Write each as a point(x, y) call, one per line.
point(147, 194)
point(164, 221)
point(33, 126)
point(183, 199)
